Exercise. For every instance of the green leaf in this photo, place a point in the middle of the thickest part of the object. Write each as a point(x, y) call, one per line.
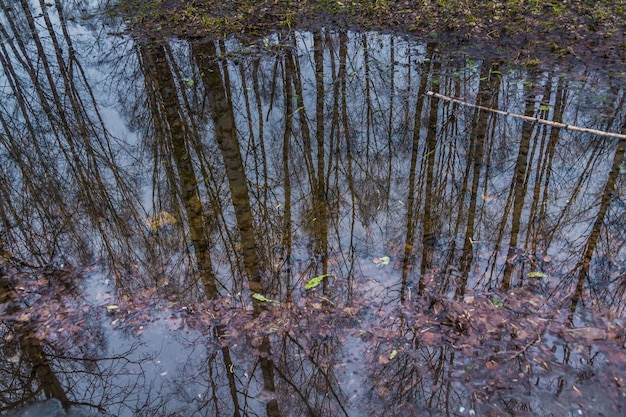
point(393, 354)
point(262, 298)
point(382, 261)
point(497, 302)
point(314, 282)
point(537, 274)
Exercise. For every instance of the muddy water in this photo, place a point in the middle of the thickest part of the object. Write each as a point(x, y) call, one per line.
point(165, 203)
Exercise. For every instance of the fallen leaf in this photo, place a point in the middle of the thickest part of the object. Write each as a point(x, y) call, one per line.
point(382, 261)
point(262, 298)
point(314, 282)
point(160, 219)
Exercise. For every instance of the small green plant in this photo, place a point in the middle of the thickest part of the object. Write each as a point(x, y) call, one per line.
point(190, 11)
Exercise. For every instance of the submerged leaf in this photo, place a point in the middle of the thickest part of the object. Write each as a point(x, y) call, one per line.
point(393, 354)
point(314, 282)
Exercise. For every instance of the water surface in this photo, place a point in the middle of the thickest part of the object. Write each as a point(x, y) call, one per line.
point(165, 203)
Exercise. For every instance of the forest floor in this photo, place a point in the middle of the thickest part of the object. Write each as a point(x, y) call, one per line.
point(525, 31)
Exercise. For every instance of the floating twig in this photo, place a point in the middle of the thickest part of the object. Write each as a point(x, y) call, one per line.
point(528, 118)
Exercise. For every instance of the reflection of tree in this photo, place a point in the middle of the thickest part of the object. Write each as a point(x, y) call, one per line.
point(73, 367)
point(416, 383)
point(308, 372)
point(66, 195)
point(539, 230)
point(413, 203)
point(285, 261)
point(429, 215)
point(32, 352)
point(488, 90)
point(606, 199)
point(252, 169)
point(343, 127)
point(517, 193)
point(177, 136)
point(174, 137)
point(217, 90)
point(319, 184)
point(62, 176)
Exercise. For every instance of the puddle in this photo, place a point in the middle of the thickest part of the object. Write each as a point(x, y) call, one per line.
point(166, 203)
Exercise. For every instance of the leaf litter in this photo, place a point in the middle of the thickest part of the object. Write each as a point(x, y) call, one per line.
point(497, 346)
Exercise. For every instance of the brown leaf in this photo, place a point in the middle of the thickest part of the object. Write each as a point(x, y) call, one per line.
point(430, 338)
point(160, 219)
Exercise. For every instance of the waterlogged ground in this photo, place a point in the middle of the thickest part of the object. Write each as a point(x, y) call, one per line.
point(309, 223)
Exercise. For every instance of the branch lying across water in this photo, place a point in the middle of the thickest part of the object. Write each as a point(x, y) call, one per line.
point(528, 118)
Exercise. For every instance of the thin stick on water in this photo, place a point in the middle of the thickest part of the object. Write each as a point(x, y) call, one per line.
point(528, 118)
